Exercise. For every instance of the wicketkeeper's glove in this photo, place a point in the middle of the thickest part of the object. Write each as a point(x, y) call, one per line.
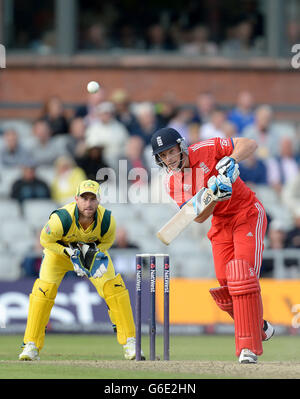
point(221, 187)
point(77, 259)
point(228, 167)
point(96, 261)
point(88, 260)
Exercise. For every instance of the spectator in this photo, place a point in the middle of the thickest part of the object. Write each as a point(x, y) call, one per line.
point(253, 171)
point(283, 168)
point(290, 194)
point(44, 148)
point(293, 235)
point(292, 35)
point(157, 39)
point(108, 133)
point(229, 129)
point(67, 178)
point(12, 153)
point(181, 121)
point(200, 43)
point(292, 241)
point(205, 104)
point(242, 115)
point(213, 128)
point(122, 240)
point(123, 113)
point(242, 42)
point(88, 110)
point(166, 108)
point(136, 159)
point(193, 133)
point(263, 132)
point(54, 114)
point(92, 161)
point(95, 38)
point(128, 38)
point(29, 186)
point(275, 240)
point(31, 263)
point(75, 145)
point(147, 119)
point(123, 264)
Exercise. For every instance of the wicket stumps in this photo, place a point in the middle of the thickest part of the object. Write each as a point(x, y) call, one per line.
point(138, 305)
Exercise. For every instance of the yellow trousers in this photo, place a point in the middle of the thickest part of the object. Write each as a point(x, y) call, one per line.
point(110, 287)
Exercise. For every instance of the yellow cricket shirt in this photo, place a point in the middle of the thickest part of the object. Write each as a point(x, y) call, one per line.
point(63, 228)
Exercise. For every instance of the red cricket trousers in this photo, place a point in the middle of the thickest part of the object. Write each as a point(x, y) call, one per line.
point(238, 237)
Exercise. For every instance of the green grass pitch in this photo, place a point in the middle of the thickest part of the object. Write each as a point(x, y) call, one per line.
point(101, 357)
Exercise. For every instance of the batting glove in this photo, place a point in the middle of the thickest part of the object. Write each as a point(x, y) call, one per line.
point(221, 187)
point(228, 167)
point(197, 201)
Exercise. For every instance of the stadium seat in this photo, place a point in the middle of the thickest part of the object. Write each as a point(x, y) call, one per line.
point(266, 194)
point(156, 215)
point(9, 208)
point(10, 266)
point(37, 211)
point(15, 230)
point(45, 173)
point(121, 212)
point(22, 127)
point(7, 177)
point(21, 247)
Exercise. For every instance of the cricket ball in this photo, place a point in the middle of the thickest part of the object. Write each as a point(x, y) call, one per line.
point(93, 87)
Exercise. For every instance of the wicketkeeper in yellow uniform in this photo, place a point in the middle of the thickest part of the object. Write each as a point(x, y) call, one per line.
point(77, 237)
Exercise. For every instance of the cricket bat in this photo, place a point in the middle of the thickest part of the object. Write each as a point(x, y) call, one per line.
point(187, 214)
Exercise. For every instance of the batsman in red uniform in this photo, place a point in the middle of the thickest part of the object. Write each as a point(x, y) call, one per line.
point(237, 229)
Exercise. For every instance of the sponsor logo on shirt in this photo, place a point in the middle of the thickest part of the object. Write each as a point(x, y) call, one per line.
point(204, 167)
point(224, 143)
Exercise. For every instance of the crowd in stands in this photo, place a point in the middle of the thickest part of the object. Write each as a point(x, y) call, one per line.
point(243, 37)
point(110, 127)
point(240, 38)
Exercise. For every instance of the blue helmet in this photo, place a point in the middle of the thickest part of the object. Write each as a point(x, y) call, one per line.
point(164, 139)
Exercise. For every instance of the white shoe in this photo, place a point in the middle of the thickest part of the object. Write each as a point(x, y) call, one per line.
point(30, 352)
point(268, 330)
point(246, 356)
point(129, 350)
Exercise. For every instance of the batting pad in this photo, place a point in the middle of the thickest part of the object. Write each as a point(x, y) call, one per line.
point(41, 301)
point(117, 299)
point(243, 286)
point(223, 299)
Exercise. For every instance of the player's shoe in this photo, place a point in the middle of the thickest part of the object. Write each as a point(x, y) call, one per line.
point(129, 350)
point(268, 331)
point(30, 352)
point(246, 356)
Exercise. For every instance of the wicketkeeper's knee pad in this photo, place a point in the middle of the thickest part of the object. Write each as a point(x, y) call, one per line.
point(223, 299)
point(244, 288)
point(118, 301)
point(41, 301)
